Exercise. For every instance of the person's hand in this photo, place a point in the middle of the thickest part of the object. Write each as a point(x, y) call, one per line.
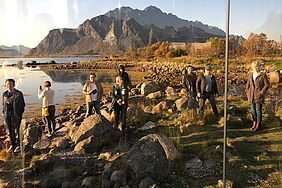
point(90, 92)
point(199, 95)
point(119, 102)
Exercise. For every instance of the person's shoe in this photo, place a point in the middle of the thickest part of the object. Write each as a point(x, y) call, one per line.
point(10, 150)
point(18, 149)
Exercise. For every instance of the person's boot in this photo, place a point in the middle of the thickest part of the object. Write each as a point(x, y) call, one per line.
point(254, 125)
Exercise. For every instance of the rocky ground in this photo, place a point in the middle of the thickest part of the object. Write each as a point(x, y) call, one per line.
point(166, 146)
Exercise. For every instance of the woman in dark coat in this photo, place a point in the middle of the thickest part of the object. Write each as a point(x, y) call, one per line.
point(256, 89)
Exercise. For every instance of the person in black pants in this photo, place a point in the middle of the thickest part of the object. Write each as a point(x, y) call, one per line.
point(207, 89)
point(120, 103)
point(13, 109)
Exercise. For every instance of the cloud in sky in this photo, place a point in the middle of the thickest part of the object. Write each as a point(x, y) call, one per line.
point(27, 22)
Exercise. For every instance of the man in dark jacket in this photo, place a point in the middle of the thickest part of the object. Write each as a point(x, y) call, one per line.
point(207, 89)
point(120, 102)
point(125, 77)
point(189, 82)
point(13, 108)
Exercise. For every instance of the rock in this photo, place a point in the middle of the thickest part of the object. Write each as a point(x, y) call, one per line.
point(135, 114)
point(62, 143)
point(31, 135)
point(135, 91)
point(119, 177)
point(107, 115)
point(62, 131)
point(159, 107)
point(136, 99)
point(183, 93)
point(154, 95)
point(42, 144)
point(181, 104)
point(173, 116)
point(90, 182)
point(170, 93)
point(193, 163)
point(270, 108)
point(93, 134)
point(148, 109)
point(149, 87)
point(105, 155)
point(146, 182)
point(147, 126)
point(274, 77)
point(229, 184)
point(151, 156)
point(70, 185)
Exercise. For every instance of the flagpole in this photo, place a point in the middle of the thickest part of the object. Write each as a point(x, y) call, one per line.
point(226, 89)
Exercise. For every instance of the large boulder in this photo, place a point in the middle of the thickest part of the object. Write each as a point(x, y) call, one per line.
point(182, 103)
point(151, 156)
point(135, 114)
point(149, 87)
point(159, 107)
point(93, 134)
point(274, 77)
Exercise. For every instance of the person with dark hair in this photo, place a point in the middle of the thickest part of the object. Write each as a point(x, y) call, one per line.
point(124, 75)
point(256, 88)
point(48, 102)
point(207, 89)
point(13, 109)
point(189, 82)
point(120, 102)
point(93, 92)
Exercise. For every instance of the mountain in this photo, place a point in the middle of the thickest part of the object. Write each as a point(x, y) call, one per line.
point(153, 15)
point(103, 34)
point(272, 27)
point(6, 51)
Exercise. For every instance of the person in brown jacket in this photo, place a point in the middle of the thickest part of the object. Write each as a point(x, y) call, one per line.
point(207, 89)
point(256, 88)
point(93, 92)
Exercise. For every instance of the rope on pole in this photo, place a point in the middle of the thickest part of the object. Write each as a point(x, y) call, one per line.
point(226, 89)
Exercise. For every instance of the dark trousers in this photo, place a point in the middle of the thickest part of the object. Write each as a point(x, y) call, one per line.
point(256, 109)
point(90, 106)
point(50, 120)
point(12, 125)
point(120, 115)
point(210, 97)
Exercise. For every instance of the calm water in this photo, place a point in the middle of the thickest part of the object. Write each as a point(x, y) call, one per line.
point(67, 85)
point(44, 60)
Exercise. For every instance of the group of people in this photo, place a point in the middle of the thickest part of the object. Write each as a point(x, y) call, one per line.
point(199, 89)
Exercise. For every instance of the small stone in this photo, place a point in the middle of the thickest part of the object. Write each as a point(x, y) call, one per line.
point(119, 176)
point(146, 182)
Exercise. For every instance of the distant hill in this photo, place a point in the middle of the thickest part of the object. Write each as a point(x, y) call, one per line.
point(103, 34)
point(272, 27)
point(6, 51)
point(153, 15)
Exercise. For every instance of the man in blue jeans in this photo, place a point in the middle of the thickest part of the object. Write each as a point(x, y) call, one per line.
point(93, 92)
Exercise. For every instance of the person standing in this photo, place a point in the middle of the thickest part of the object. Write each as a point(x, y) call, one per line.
point(93, 92)
point(13, 109)
point(189, 82)
point(48, 101)
point(207, 89)
point(120, 103)
point(256, 88)
point(125, 77)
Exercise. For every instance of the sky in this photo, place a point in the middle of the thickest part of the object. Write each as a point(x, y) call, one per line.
point(27, 22)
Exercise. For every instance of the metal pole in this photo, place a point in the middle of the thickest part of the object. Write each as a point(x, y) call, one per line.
point(226, 89)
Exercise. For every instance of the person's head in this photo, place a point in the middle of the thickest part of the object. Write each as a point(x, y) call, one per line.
point(208, 70)
point(47, 84)
point(10, 84)
point(92, 77)
point(119, 80)
point(121, 68)
point(190, 69)
point(184, 71)
point(256, 66)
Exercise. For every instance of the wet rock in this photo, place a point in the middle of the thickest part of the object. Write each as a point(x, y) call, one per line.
point(159, 107)
point(151, 156)
point(154, 95)
point(31, 135)
point(70, 185)
point(147, 126)
point(119, 177)
point(181, 104)
point(42, 144)
point(90, 182)
point(146, 182)
point(274, 77)
point(149, 87)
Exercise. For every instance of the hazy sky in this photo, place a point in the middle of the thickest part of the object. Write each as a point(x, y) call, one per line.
point(27, 22)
